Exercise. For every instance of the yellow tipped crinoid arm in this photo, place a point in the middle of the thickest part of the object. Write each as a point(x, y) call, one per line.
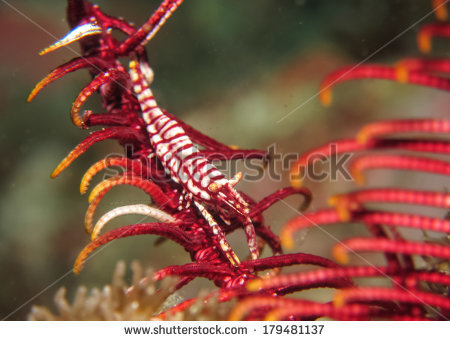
point(76, 34)
point(440, 11)
point(111, 75)
point(91, 139)
point(390, 127)
point(96, 168)
point(103, 187)
point(245, 306)
point(344, 206)
point(71, 66)
point(295, 176)
point(140, 209)
point(106, 185)
point(326, 95)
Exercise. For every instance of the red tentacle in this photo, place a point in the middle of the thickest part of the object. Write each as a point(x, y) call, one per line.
point(315, 277)
point(390, 295)
point(314, 310)
point(439, 9)
point(412, 163)
point(355, 72)
point(287, 260)
point(123, 134)
point(169, 231)
point(346, 203)
point(428, 32)
point(110, 75)
point(71, 66)
point(340, 251)
point(322, 217)
point(196, 270)
point(149, 29)
point(383, 128)
point(273, 198)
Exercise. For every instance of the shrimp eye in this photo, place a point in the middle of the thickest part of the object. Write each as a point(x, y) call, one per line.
point(214, 187)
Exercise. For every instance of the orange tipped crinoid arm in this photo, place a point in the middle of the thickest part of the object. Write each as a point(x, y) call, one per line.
point(194, 270)
point(279, 261)
point(289, 282)
point(405, 220)
point(169, 231)
point(97, 136)
point(383, 128)
point(348, 203)
point(337, 147)
point(341, 250)
point(367, 141)
point(374, 71)
point(371, 294)
point(279, 195)
point(333, 216)
point(111, 75)
point(412, 163)
point(428, 32)
point(133, 166)
point(322, 217)
point(440, 9)
point(318, 277)
point(148, 186)
point(72, 65)
point(414, 278)
point(405, 66)
point(302, 310)
point(249, 304)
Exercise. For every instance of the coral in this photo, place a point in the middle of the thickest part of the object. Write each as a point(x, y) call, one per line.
point(115, 302)
point(119, 301)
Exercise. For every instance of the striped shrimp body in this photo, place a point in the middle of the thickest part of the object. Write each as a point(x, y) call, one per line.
point(203, 183)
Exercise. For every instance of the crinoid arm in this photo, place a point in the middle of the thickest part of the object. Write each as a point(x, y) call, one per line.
point(440, 9)
point(355, 201)
point(140, 209)
point(279, 195)
point(428, 32)
point(148, 186)
point(134, 166)
point(72, 65)
point(111, 75)
point(405, 162)
point(390, 127)
point(79, 32)
point(147, 31)
point(194, 270)
point(353, 245)
point(170, 231)
point(120, 133)
point(375, 71)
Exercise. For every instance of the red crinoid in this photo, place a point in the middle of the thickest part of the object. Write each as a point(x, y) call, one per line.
point(416, 292)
